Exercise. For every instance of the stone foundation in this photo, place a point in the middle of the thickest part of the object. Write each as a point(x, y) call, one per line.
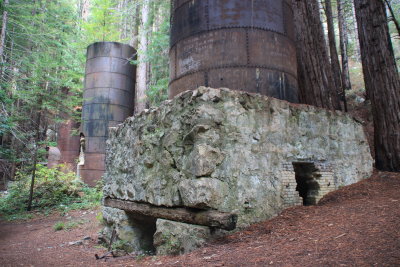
point(228, 151)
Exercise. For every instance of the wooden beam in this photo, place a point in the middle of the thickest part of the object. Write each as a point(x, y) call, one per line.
point(211, 218)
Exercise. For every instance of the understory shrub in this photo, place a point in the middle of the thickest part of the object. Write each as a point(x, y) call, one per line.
point(54, 189)
point(58, 226)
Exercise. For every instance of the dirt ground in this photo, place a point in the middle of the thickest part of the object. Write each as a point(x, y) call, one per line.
point(358, 225)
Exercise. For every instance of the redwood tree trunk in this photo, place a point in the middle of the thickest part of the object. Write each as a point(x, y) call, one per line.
point(344, 46)
point(382, 81)
point(343, 40)
point(332, 46)
point(316, 83)
point(141, 76)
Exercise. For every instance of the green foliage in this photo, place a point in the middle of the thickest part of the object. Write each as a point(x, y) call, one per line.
point(158, 56)
point(141, 256)
point(170, 244)
point(43, 61)
point(122, 245)
point(100, 219)
point(54, 189)
point(103, 22)
point(59, 226)
point(158, 52)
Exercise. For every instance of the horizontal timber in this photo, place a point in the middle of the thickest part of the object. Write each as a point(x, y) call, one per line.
point(211, 218)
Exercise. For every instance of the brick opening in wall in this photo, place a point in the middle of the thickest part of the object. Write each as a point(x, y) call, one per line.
point(307, 182)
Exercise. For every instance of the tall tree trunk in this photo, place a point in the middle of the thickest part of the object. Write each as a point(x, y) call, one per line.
point(343, 38)
point(120, 7)
point(125, 20)
point(355, 26)
point(382, 81)
point(332, 46)
point(85, 10)
point(13, 167)
point(35, 158)
point(3, 34)
point(316, 83)
point(141, 77)
point(135, 32)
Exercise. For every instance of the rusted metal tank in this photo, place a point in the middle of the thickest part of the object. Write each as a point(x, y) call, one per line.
point(68, 144)
point(239, 44)
point(108, 100)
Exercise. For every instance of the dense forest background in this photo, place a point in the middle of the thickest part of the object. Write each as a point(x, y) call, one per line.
point(42, 59)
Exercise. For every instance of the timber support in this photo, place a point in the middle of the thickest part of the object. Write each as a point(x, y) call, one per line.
point(211, 218)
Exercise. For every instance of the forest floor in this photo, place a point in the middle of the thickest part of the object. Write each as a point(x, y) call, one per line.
point(358, 225)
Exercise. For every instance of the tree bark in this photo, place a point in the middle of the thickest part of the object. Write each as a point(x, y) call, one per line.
point(35, 158)
point(343, 39)
point(134, 42)
point(332, 46)
point(211, 218)
point(3, 32)
point(85, 7)
point(382, 81)
point(344, 42)
point(316, 83)
point(141, 77)
point(355, 26)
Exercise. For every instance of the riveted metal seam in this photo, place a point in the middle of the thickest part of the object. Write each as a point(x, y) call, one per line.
point(127, 90)
point(231, 28)
point(175, 8)
point(96, 88)
point(247, 47)
point(284, 19)
point(207, 14)
point(234, 67)
point(123, 58)
point(119, 73)
point(176, 62)
point(108, 104)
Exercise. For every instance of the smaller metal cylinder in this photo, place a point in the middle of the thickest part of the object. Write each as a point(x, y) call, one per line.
point(108, 100)
point(68, 144)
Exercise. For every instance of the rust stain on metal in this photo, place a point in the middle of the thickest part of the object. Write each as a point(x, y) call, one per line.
point(239, 44)
point(108, 100)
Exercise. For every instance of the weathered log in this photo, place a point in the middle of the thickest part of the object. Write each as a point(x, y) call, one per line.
point(211, 218)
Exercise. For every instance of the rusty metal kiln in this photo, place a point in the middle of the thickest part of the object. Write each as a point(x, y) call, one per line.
point(239, 44)
point(108, 100)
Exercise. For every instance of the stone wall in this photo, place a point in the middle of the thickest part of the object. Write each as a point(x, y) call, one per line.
point(233, 152)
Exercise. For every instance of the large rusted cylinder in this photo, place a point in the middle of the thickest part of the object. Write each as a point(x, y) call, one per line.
point(108, 100)
point(239, 44)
